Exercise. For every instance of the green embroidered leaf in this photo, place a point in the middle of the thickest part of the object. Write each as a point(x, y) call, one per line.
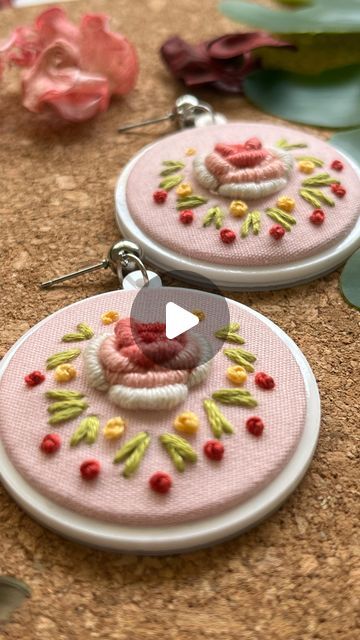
point(84, 333)
point(350, 280)
point(60, 394)
point(87, 430)
point(321, 179)
point(218, 423)
point(281, 217)
point(190, 202)
point(63, 413)
point(215, 216)
point(329, 99)
point(179, 450)
point(170, 182)
point(316, 161)
point(241, 357)
point(238, 397)
point(229, 333)
point(287, 146)
point(60, 358)
point(252, 222)
point(171, 166)
point(349, 143)
point(316, 197)
point(133, 451)
point(330, 16)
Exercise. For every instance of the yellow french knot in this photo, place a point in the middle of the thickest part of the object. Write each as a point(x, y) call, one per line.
point(236, 374)
point(114, 428)
point(286, 204)
point(238, 208)
point(109, 317)
point(306, 166)
point(200, 314)
point(184, 189)
point(187, 422)
point(190, 151)
point(65, 372)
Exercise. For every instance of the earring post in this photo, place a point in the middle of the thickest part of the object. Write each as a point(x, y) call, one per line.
point(74, 274)
point(145, 123)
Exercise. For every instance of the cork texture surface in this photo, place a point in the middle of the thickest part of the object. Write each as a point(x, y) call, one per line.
point(295, 576)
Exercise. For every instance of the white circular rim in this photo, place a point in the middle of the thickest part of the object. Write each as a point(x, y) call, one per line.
point(230, 277)
point(177, 538)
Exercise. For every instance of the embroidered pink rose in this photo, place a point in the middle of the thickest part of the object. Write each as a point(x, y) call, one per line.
point(244, 170)
point(140, 368)
point(72, 70)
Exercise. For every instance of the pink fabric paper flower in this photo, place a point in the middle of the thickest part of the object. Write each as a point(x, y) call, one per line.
point(69, 69)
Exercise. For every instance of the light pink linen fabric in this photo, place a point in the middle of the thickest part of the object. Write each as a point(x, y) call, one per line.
point(205, 488)
point(161, 222)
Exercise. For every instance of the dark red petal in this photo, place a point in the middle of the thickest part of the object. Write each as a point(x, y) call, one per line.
point(236, 44)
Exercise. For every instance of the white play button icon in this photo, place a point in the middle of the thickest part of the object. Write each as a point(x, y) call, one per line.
point(178, 320)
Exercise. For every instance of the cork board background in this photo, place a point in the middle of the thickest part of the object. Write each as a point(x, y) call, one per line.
point(294, 577)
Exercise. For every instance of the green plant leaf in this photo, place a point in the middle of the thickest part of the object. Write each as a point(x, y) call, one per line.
point(12, 593)
point(330, 99)
point(349, 143)
point(322, 16)
point(350, 280)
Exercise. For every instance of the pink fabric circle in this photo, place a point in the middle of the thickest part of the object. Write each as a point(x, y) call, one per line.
point(205, 488)
point(161, 222)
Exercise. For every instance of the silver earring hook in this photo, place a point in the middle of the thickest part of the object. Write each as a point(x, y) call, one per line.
point(122, 256)
point(184, 113)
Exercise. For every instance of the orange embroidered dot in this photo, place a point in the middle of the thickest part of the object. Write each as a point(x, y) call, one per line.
point(200, 314)
point(184, 189)
point(65, 372)
point(236, 374)
point(114, 428)
point(306, 166)
point(238, 208)
point(187, 422)
point(190, 151)
point(286, 204)
point(109, 317)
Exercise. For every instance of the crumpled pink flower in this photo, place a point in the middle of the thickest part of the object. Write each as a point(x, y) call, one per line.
point(223, 62)
point(72, 70)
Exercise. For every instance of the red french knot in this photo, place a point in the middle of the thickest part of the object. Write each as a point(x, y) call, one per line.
point(214, 450)
point(337, 165)
point(338, 189)
point(160, 196)
point(50, 443)
point(317, 217)
point(186, 216)
point(264, 381)
point(255, 426)
point(34, 378)
point(277, 231)
point(90, 469)
point(227, 235)
point(160, 482)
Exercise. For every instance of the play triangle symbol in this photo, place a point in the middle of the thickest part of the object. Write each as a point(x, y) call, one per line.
point(178, 320)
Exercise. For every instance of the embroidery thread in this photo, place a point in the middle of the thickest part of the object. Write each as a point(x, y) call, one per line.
point(229, 333)
point(238, 397)
point(87, 430)
point(215, 216)
point(171, 166)
point(133, 452)
point(218, 423)
point(179, 450)
point(170, 182)
point(60, 358)
point(84, 332)
point(242, 357)
point(316, 197)
point(286, 220)
point(190, 202)
point(65, 410)
point(187, 422)
point(252, 223)
point(284, 144)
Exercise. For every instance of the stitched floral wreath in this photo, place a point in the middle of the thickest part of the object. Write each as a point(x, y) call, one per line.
point(244, 170)
point(140, 368)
